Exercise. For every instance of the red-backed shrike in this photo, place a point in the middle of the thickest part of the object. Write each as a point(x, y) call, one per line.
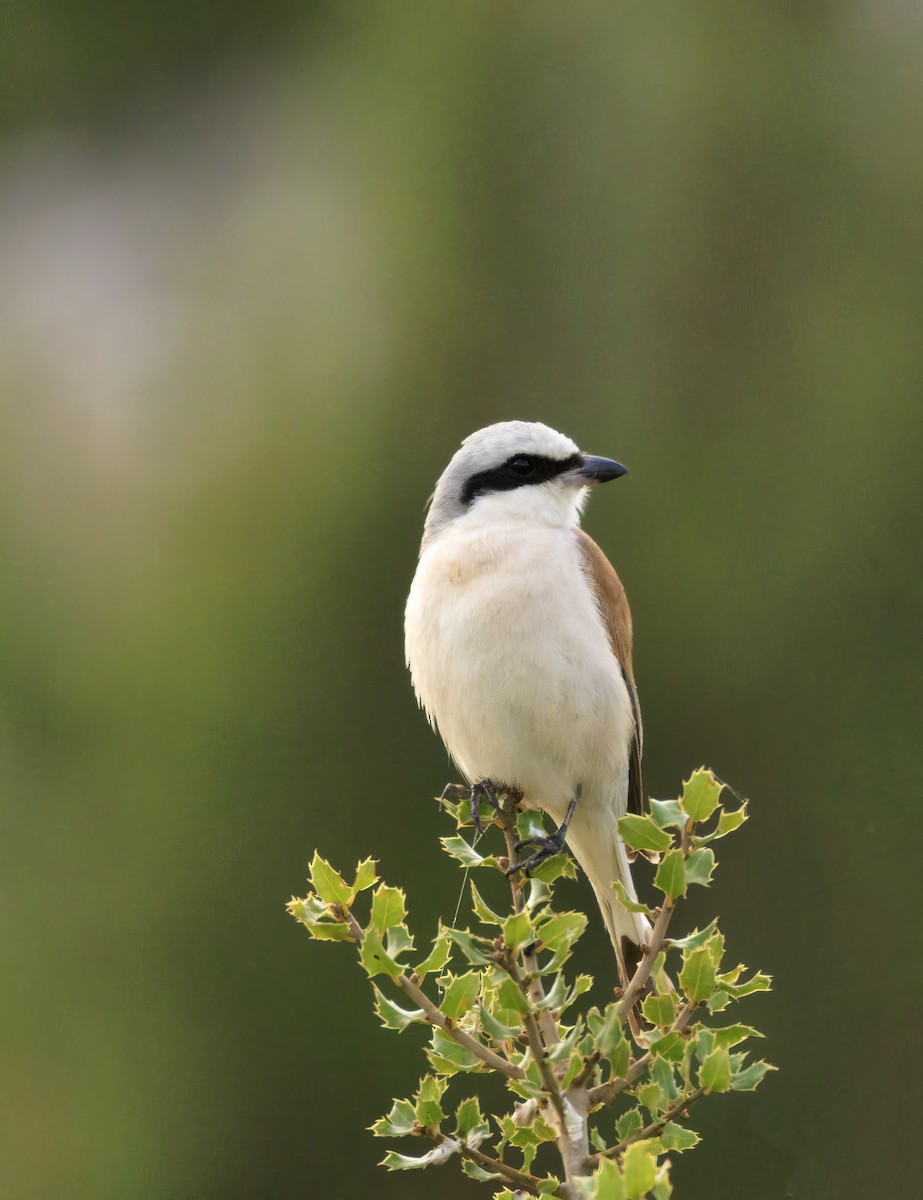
point(518, 639)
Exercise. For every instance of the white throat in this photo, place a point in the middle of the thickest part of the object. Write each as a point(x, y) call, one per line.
point(551, 504)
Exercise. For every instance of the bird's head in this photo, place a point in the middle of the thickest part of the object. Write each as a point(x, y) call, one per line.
point(516, 471)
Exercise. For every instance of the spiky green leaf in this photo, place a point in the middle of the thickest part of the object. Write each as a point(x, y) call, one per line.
point(447, 1057)
point(427, 1101)
point(328, 883)
point(663, 1188)
point(609, 1033)
point(651, 1095)
point(750, 1077)
point(732, 1035)
point(315, 916)
point(671, 874)
point(469, 947)
point(559, 866)
point(757, 983)
point(701, 792)
point(465, 853)
point(641, 833)
point(375, 958)
point(670, 1046)
point(608, 1182)
point(388, 908)
point(365, 876)
point(727, 823)
point(639, 1167)
point(716, 1071)
point(460, 994)
point(700, 866)
point(678, 1137)
point(695, 939)
point(697, 978)
point(660, 1010)
point(393, 1161)
point(510, 997)
point(482, 910)
point(470, 1122)
point(398, 1123)
point(473, 1171)
point(663, 1074)
point(391, 1015)
point(626, 901)
point(529, 824)
point(714, 948)
point(704, 1042)
point(398, 940)
point(668, 813)
point(559, 933)
point(495, 1028)
point(517, 931)
point(438, 957)
point(629, 1123)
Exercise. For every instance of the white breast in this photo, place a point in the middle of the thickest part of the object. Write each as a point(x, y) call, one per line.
point(511, 660)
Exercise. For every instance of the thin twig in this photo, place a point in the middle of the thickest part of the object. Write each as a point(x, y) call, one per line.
point(542, 1032)
point(546, 1021)
point(496, 1165)
point(527, 1182)
point(605, 1093)
point(642, 973)
point(586, 1072)
point(654, 1128)
point(539, 1053)
point(435, 1017)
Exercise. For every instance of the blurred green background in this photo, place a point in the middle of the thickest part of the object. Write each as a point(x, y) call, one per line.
point(262, 268)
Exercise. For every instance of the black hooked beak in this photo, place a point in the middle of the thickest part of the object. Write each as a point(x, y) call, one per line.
point(599, 470)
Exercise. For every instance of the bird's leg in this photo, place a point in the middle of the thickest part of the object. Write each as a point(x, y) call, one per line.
point(545, 847)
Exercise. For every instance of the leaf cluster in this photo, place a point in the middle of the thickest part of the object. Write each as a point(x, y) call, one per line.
point(607, 1088)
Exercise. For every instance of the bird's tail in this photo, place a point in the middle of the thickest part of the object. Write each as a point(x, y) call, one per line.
point(603, 857)
point(628, 931)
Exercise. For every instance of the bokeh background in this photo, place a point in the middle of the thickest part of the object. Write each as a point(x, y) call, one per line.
point(263, 266)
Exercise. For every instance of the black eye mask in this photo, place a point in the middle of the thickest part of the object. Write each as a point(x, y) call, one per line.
point(518, 471)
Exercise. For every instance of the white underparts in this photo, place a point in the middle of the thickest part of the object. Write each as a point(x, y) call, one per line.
point(512, 663)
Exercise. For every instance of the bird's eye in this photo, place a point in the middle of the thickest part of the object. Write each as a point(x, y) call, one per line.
point(521, 465)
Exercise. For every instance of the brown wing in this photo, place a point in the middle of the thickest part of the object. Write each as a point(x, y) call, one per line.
point(613, 606)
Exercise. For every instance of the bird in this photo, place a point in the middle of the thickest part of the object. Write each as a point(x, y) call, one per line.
point(518, 637)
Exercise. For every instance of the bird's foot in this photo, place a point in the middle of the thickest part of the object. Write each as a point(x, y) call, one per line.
point(545, 847)
point(483, 789)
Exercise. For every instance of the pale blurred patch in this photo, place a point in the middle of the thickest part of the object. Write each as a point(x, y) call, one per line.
point(248, 308)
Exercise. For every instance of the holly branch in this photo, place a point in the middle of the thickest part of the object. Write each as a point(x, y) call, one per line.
point(598, 1102)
